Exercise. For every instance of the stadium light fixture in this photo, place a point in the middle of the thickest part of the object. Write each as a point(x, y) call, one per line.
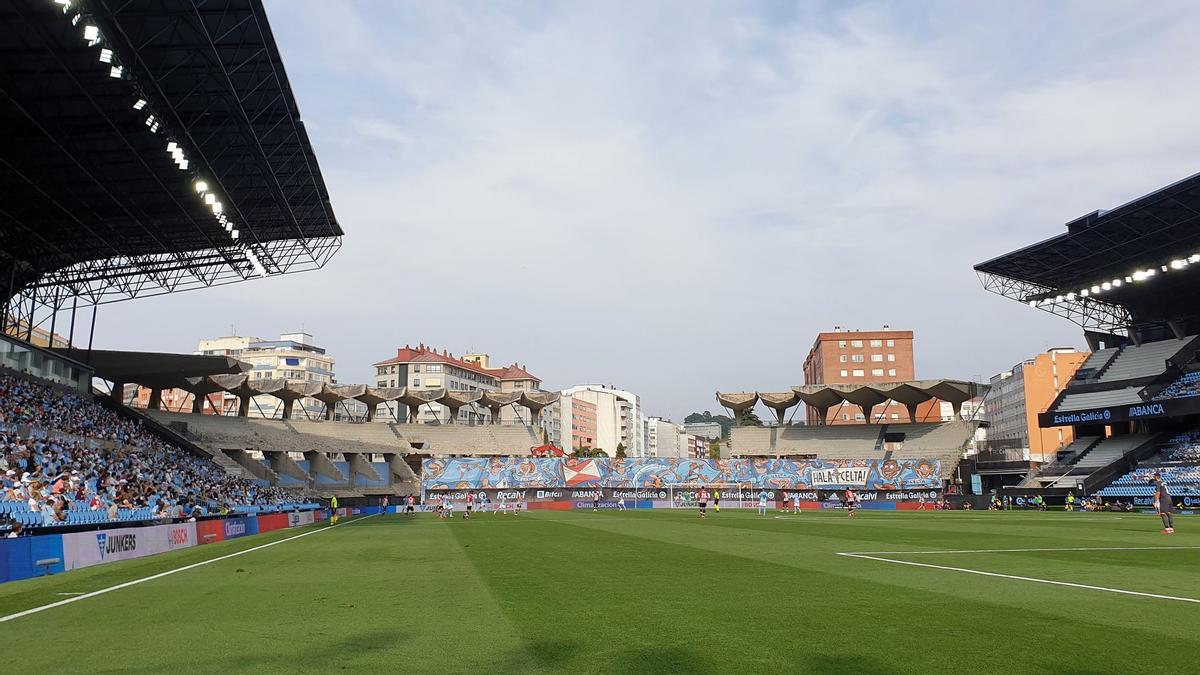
point(116, 72)
point(141, 103)
point(201, 187)
point(1116, 283)
point(75, 19)
point(216, 207)
point(91, 35)
point(1194, 258)
point(171, 146)
point(1095, 289)
point(1106, 286)
point(183, 165)
point(66, 5)
point(105, 55)
point(1071, 295)
point(210, 199)
point(1178, 264)
point(234, 234)
point(1085, 292)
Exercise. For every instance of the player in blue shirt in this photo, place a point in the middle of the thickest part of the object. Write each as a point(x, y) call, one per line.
point(762, 503)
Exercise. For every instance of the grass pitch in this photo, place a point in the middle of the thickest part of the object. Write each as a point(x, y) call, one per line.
point(650, 591)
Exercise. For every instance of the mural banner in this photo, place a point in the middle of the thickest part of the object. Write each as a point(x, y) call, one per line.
point(468, 473)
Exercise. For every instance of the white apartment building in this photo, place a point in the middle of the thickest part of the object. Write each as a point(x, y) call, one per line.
point(294, 357)
point(619, 419)
point(662, 438)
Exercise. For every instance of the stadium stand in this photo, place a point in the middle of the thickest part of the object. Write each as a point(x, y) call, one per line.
point(1186, 386)
point(944, 441)
point(68, 461)
point(1133, 362)
point(1178, 463)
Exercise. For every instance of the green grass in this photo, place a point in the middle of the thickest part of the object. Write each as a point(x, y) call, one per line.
point(635, 592)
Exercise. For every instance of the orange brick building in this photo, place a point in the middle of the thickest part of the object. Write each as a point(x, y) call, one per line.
point(865, 357)
point(1018, 395)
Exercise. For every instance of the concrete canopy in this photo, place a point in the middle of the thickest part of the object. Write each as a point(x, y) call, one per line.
point(779, 402)
point(415, 398)
point(373, 396)
point(455, 400)
point(738, 402)
point(495, 400)
point(535, 401)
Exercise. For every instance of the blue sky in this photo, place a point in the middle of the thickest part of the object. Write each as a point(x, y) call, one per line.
point(675, 197)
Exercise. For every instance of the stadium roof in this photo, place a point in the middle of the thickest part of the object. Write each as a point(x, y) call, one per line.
point(153, 369)
point(150, 146)
point(1112, 269)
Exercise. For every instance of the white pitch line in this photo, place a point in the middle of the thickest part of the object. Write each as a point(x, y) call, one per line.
point(1105, 589)
point(160, 575)
point(1028, 550)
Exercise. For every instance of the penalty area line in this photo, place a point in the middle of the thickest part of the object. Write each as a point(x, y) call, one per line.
point(1050, 582)
point(152, 577)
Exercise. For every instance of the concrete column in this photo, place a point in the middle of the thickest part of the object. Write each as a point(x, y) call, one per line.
point(118, 392)
point(197, 404)
point(824, 413)
point(912, 412)
point(867, 410)
point(155, 399)
point(413, 411)
point(329, 410)
point(495, 414)
point(243, 406)
point(287, 408)
point(453, 413)
point(370, 412)
point(535, 416)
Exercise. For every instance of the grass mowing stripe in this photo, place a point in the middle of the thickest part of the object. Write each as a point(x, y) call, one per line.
point(1021, 578)
point(135, 582)
point(1027, 550)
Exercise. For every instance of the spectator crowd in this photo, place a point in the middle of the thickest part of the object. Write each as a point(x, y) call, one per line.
point(108, 467)
point(1185, 386)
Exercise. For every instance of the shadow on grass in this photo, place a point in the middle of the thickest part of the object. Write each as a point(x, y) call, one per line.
point(317, 654)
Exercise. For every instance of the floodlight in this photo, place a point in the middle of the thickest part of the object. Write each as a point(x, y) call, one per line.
point(183, 165)
point(1085, 292)
point(1177, 264)
point(116, 72)
point(234, 234)
point(105, 56)
point(201, 187)
point(141, 103)
point(1106, 286)
point(1095, 289)
point(91, 34)
point(217, 207)
point(210, 199)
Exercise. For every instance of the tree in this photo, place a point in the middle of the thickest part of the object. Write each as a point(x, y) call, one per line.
point(725, 421)
point(749, 418)
point(714, 449)
point(620, 451)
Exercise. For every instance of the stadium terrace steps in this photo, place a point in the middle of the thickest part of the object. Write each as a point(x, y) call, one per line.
point(1146, 360)
point(458, 439)
point(1095, 458)
point(943, 441)
point(1099, 399)
point(1099, 361)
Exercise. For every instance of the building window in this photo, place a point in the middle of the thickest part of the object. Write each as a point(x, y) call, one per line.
point(857, 358)
point(876, 343)
point(895, 416)
point(891, 372)
point(841, 344)
point(877, 358)
point(856, 343)
point(435, 368)
point(858, 373)
point(891, 357)
point(891, 343)
point(842, 358)
point(416, 382)
point(845, 373)
point(859, 417)
point(845, 417)
point(877, 372)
